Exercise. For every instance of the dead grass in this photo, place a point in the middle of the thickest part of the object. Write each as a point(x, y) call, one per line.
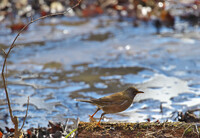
point(146, 129)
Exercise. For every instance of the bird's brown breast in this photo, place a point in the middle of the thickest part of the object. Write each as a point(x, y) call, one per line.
point(115, 108)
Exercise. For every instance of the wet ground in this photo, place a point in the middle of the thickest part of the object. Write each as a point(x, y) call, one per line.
point(56, 62)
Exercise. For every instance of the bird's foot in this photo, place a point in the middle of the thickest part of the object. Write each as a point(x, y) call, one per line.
point(91, 118)
point(98, 124)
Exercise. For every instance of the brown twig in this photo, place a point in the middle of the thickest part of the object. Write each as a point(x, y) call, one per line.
point(14, 119)
point(4, 51)
point(186, 130)
point(25, 115)
point(196, 127)
point(192, 125)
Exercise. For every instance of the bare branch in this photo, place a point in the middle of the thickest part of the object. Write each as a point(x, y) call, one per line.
point(14, 119)
point(4, 51)
point(196, 127)
point(186, 130)
point(25, 115)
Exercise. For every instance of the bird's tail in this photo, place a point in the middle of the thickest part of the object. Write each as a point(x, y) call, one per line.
point(83, 100)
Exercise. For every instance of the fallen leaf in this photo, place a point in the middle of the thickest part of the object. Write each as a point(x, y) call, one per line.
point(1, 134)
point(10, 130)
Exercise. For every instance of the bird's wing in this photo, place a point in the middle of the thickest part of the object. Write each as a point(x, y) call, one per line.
point(117, 98)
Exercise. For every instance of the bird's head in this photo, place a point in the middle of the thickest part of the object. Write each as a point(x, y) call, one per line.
point(132, 92)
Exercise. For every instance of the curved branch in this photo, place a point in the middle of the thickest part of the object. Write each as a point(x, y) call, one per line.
point(12, 46)
point(25, 115)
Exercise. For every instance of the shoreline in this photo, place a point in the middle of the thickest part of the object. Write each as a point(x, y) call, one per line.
point(143, 129)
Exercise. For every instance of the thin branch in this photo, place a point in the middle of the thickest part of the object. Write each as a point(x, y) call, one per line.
point(9, 50)
point(197, 130)
point(4, 51)
point(5, 87)
point(66, 124)
point(186, 130)
point(25, 115)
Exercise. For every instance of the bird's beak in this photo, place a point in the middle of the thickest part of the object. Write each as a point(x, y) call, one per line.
point(140, 92)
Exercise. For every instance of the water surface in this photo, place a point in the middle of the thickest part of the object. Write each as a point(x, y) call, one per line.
point(56, 62)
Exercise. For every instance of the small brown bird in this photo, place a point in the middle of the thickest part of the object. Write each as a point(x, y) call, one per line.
point(114, 103)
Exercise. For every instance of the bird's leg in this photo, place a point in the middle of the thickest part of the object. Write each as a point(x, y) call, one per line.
point(91, 116)
point(98, 124)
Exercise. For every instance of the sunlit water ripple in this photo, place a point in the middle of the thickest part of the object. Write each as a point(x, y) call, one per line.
point(55, 65)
